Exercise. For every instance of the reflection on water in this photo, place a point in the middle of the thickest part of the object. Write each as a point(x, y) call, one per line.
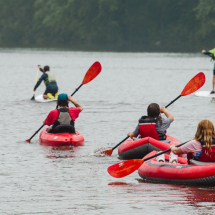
point(39, 180)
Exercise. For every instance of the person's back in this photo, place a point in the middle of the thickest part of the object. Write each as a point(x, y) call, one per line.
point(63, 119)
point(153, 125)
point(200, 148)
point(50, 82)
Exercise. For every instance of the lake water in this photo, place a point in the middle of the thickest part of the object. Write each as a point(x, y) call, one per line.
point(37, 180)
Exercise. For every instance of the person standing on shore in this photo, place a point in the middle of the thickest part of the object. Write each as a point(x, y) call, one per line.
point(211, 53)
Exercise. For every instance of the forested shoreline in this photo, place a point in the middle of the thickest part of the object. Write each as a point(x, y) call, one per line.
point(109, 25)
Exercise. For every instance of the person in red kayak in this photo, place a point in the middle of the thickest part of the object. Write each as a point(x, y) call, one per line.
point(200, 148)
point(63, 119)
point(153, 125)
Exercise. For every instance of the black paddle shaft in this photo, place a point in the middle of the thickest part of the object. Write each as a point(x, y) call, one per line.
point(173, 101)
point(33, 97)
point(77, 89)
point(120, 143)
point(36, 132)
point(160, 153)
point(73, 92)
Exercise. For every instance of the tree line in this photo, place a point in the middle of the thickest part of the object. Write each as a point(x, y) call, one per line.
point(109, 25)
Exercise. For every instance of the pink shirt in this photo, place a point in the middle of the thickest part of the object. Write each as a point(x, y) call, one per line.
point(53, 115)
point(193, 147)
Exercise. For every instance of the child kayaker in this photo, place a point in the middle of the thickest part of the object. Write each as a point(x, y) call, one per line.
point(63, 119)
point(153, 125)
point(204, 136)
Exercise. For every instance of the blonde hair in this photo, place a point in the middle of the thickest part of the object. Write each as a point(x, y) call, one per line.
point(205, 131)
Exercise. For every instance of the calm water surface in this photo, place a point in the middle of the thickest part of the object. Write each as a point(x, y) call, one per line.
point(39, 180)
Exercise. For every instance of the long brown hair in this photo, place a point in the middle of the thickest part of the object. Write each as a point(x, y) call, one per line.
point(153, 111)
point(205, 131)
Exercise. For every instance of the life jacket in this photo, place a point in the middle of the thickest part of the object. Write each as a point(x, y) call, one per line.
point(147, 128)
point(51, 78)
point(64, 123)
point(212, 51)
point(203, 156)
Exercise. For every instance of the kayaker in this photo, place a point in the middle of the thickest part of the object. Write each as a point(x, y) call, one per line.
point(50, 81)
point(153, 125)
point(211, 53)
point(203, 140)
point(63, 119)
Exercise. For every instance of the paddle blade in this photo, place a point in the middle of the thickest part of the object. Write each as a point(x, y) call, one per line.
point(28, 140)
point(124, 168)
point(92, 72)
point(33, 97)
point(194, 84)
point(107, 152)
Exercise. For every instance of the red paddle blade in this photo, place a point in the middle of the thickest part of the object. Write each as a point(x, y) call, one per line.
point(194, 84)
point(124, 168)
point(108, 152)
point(92, 72)
point(28, 140)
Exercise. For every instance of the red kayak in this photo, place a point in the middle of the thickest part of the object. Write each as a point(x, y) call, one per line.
point(137, 149)
point(197, 173)
point(61, 139)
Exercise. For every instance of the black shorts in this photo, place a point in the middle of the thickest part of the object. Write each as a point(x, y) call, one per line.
point(51, 88)
point(214, 69)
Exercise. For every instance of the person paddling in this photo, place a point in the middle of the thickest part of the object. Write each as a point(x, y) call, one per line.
point(63, 119)
point(50, 81)
point(200, 148)
point(211, 53)
point(153, 125)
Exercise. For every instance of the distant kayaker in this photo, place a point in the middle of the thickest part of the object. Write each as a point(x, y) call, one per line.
point(204, 137)
point(51, 85)
point(153, 125)
point(63, 119)
point(211, 53)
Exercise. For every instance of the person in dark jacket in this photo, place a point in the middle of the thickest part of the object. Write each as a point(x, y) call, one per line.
point(211, 53)
point(49, 79)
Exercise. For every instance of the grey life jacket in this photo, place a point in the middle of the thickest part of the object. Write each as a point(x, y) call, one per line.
point(64, 123)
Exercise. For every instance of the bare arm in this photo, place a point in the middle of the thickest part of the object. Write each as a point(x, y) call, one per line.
point(176, 150)
point(131, 135)
point(75, 103)
point(167, 113)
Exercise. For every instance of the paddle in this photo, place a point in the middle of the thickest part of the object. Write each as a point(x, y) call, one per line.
point(92, 72)
point(33, 97)
point(125, 168)
point(193, 85)
point(29, 140)
point(110, 151)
